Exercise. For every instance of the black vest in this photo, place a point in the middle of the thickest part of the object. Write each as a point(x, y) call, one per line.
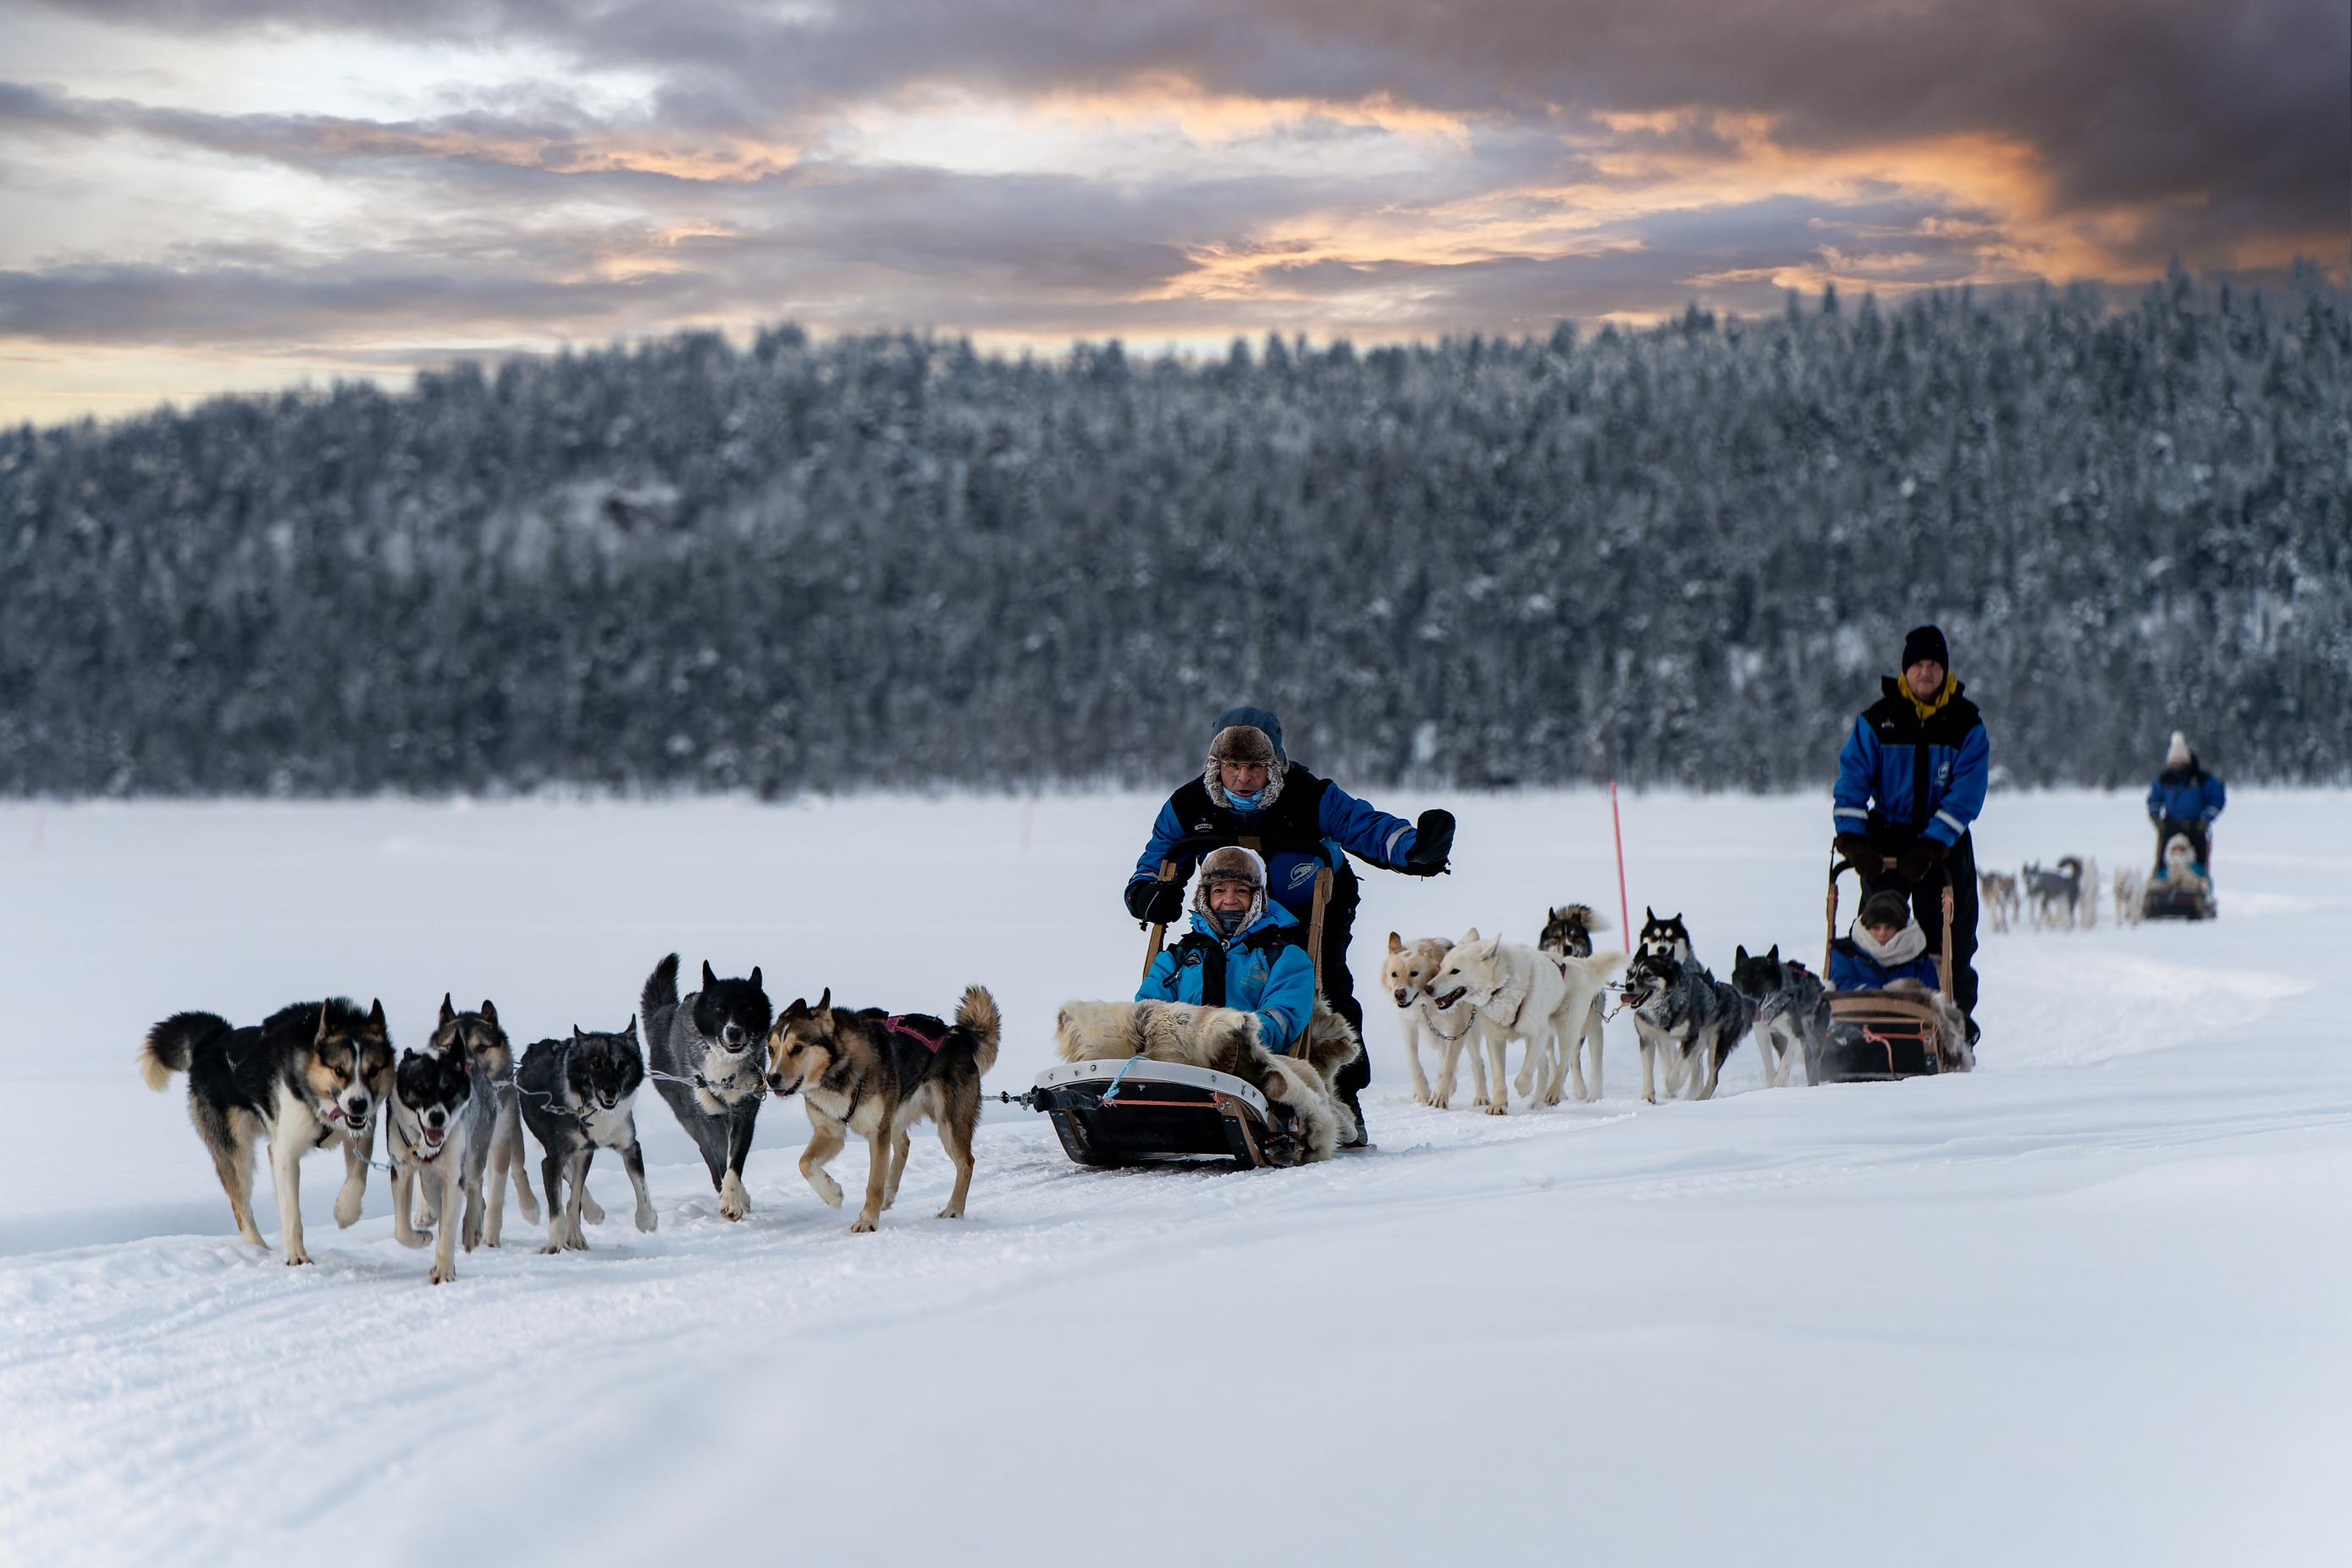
point(1210, 955)
point(1296, 820)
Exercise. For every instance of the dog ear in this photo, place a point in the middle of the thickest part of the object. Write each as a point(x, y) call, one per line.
point(1649, 915)
point(630, 1028)
point(1396, 943)
point(824, 1003)
point(755, 979)
point(576, 1031)
point(1468, 937)
point(489, 1013)
point(447, 1012)
point(1773, 957)
point(1739, 956)
point(375, 1016)
point(709, 980)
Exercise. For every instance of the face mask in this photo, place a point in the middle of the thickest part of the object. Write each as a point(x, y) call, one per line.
point(1230, 920)
point(1244, 802)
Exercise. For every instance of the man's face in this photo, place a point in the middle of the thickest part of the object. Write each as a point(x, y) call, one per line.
point(1241, 778)
point(1924, 678)
point(1229, 897)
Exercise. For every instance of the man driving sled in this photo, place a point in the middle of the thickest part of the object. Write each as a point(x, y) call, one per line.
point(1910, 780)
point(1249, 789)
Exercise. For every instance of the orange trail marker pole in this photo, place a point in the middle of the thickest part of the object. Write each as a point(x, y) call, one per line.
point(1625, 913)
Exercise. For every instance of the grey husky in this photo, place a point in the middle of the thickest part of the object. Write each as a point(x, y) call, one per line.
point(1792, 1012)
point(578, 1096)
point(708, 1052)
point(1690, 1017)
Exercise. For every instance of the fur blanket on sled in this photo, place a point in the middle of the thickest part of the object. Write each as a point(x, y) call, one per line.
point(1224, 1040)
point(1953, 1052)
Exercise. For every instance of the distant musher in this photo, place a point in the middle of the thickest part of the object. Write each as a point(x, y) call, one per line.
point(2185, 799)
point(1910, 780)
point(1249, 788)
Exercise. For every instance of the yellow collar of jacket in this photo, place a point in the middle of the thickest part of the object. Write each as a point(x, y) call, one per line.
point(1928, 708)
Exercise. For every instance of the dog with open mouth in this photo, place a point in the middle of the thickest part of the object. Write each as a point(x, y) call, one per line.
point(438, 1132)
point(709, 1068)
point(1405, 975)
point(478, 1038)
point(310, 1077)
point(1687, 1019)
point(578, 1096)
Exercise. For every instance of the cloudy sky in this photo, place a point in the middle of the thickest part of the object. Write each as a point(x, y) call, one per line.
point(201, 194)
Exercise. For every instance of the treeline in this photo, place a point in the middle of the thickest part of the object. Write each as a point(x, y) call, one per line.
point(1681, 555)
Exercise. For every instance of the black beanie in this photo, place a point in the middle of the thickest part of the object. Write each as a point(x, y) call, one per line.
point(1924, 642)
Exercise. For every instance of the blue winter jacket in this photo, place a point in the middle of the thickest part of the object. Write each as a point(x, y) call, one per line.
point(1277, 985)
point(1851, 969)
point(1340, 822)
point(1901, 776)
point(2186, 795)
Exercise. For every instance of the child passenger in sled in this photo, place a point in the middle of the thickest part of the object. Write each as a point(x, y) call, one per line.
point(1885, 945)
point(1243, 953)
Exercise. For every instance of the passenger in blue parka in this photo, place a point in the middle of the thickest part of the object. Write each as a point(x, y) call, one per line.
point(1243, 953)
point(1249, 789)
point(1885, 946)
point(2185, 799)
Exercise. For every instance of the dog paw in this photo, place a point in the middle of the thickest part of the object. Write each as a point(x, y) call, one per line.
point(296, 1259)
point(734, 1203)
point(827, 1188)
point(348, 1202)
point(863, 1224)
point(411, 1237)
point(529, 1207)
point(591, 1210)
point(574, 1241)
point(951, 1212)
point(1500, 1109)
point(427, 1216)
point(551, 1248)
point(444, 1274)
point(647, 1219)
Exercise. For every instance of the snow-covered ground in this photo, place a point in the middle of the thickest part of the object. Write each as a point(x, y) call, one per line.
point(2087, 1305)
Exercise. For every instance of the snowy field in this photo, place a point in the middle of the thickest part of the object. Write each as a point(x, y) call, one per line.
point(2087, 1305)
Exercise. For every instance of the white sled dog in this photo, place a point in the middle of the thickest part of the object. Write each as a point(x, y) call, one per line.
point(1225, 1040)
point(1405, 974)
point(2131, 895)
point(1522, 993)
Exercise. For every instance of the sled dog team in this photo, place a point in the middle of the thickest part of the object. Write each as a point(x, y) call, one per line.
point(313, 1076)
point(1481, 993)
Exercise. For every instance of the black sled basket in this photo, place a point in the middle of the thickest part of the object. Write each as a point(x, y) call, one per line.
point(1133, 1111)
point(2167, 900)
point(1875, 1037)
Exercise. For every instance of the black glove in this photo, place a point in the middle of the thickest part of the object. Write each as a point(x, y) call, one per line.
point(1433, 841)
point(1156, 903)
point(1924, 855)
point(1866, 854)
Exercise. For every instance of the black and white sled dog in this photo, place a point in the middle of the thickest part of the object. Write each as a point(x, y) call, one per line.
point(1792, 1012)
point(1669, 936)
point(483, 1044)
point(310, 1078)
point(578, 1096)
point(1405, 975)
point(708, 1065)
point(2054, 897)
point(1687, 1015)
point(438, 1131)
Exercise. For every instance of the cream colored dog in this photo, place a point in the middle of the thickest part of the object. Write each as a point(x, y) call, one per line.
point(1405, 975)
point(1522, 993)
point(1225, 1040)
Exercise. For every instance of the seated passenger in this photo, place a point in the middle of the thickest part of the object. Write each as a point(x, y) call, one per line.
point(1886, 945)
point(1243, 953)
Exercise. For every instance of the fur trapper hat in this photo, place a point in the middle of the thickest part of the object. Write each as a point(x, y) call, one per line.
point(1246, 735)
point(1232, 864)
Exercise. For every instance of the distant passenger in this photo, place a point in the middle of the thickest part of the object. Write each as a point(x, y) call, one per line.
point(2185, 799)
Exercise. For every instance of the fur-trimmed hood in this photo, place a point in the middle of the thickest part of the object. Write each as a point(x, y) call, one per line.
point(1245, 735)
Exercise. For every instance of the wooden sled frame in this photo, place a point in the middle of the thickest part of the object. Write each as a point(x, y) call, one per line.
point(1193, 849)
point(1885, 1020)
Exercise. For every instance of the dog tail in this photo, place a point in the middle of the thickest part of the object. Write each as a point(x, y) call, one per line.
point(977, 1012)
point(661, 991)
point(172, 1045)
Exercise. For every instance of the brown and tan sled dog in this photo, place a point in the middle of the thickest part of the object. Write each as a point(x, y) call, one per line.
point(876, 1074)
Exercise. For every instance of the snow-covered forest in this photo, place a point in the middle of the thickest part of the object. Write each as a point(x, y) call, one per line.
point(1683, 554)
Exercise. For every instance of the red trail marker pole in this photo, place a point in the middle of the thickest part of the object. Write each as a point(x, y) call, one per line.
point(1625, 913)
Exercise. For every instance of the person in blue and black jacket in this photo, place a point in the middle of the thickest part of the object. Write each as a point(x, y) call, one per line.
point(2185, 799)
point(1249, 789)
point(1910, 780)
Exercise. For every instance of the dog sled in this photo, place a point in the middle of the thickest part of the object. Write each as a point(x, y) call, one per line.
point(1876, 1037)
point(2166, 899)
point(1133, 1110)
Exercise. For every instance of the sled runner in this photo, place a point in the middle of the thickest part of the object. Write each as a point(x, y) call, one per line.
point(1132, 1111)
point(1875, 1036)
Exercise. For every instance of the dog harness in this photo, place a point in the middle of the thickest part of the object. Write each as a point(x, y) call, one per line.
point(897, 1024)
